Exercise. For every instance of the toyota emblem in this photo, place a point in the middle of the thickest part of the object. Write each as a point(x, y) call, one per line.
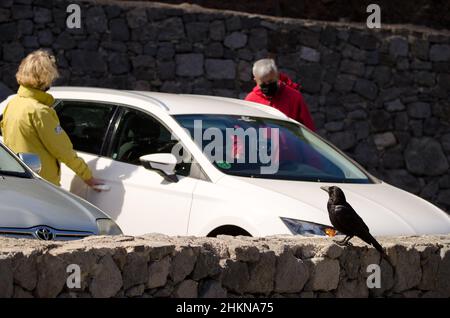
point(45, 234)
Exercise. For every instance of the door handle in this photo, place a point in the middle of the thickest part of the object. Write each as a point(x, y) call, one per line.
point(102, 187)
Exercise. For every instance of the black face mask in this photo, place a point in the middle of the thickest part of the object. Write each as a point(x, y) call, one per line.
point(269, 89)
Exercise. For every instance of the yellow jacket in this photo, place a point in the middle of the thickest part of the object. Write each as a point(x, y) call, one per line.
point(31, 125)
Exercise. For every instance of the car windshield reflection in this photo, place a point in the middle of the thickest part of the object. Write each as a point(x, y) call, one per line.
point(269, 148)
point(9, 166)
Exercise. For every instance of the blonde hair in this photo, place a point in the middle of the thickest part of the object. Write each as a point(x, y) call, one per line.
point(37, 70)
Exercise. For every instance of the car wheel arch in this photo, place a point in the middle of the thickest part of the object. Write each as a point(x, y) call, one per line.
point(229, 229)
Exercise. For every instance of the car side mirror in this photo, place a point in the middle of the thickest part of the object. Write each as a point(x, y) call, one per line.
point(32, 161)
point(164, 163)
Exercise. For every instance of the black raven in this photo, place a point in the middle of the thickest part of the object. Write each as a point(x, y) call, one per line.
point(346, 220)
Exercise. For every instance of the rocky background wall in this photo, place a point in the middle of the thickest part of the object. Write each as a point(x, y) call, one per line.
point(160, 266)
point(380, 95)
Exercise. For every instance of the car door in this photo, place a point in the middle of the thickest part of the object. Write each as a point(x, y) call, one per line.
point(141, 200)
point(86, 123)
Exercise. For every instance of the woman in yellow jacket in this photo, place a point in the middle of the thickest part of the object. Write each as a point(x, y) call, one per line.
point(30, 124)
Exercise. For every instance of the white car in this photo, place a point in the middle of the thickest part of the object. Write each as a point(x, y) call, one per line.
point(128, 139)
point(31, 207)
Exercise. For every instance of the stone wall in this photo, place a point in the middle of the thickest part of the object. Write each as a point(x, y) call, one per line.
point(380, 95)
point(161, 266)
point(419, 12)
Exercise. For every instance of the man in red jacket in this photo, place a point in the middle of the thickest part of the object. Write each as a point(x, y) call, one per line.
point(271, 90)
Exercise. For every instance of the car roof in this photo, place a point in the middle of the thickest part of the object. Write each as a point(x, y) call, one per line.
point(178, 104)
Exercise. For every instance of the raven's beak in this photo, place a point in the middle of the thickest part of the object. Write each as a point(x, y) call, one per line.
point(325, 189)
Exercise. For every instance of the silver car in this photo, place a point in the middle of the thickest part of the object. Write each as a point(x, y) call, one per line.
point(31, 207)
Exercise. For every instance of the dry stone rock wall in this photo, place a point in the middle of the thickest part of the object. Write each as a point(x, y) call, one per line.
point(161, 266)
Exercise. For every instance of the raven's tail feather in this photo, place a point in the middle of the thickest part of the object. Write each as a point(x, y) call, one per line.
point(380, 249)
point(372, 241)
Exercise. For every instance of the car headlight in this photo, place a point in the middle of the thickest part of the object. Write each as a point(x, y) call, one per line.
point(298, 227)
point(108, 227)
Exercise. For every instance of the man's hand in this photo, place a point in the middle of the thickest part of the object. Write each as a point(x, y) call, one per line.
point(92, 182)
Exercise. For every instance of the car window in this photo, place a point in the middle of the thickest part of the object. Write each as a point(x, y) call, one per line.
point(86, 123)
point(139, 134)
point(10, 166)
point(247, 142)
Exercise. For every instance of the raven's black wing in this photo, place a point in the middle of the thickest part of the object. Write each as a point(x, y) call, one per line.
point(346, 220)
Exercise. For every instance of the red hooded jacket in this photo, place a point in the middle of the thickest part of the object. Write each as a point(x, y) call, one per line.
point(287, 100)
point(285, 79)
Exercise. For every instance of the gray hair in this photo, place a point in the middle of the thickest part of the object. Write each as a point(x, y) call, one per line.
point(264, 67)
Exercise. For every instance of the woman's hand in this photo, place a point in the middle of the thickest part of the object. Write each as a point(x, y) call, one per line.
point(92, 182)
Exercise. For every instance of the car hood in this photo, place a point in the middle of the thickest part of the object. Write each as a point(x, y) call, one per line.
point(26, 203)
point(387, 210)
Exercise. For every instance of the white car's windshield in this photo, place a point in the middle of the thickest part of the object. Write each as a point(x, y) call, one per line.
point(10, 166)
point(268, 148)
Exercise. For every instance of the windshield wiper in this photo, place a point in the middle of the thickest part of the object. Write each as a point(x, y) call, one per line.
point(14, 174)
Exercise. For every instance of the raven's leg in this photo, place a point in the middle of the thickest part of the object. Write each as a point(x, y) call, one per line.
point(347, 242)
point(343, 242)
